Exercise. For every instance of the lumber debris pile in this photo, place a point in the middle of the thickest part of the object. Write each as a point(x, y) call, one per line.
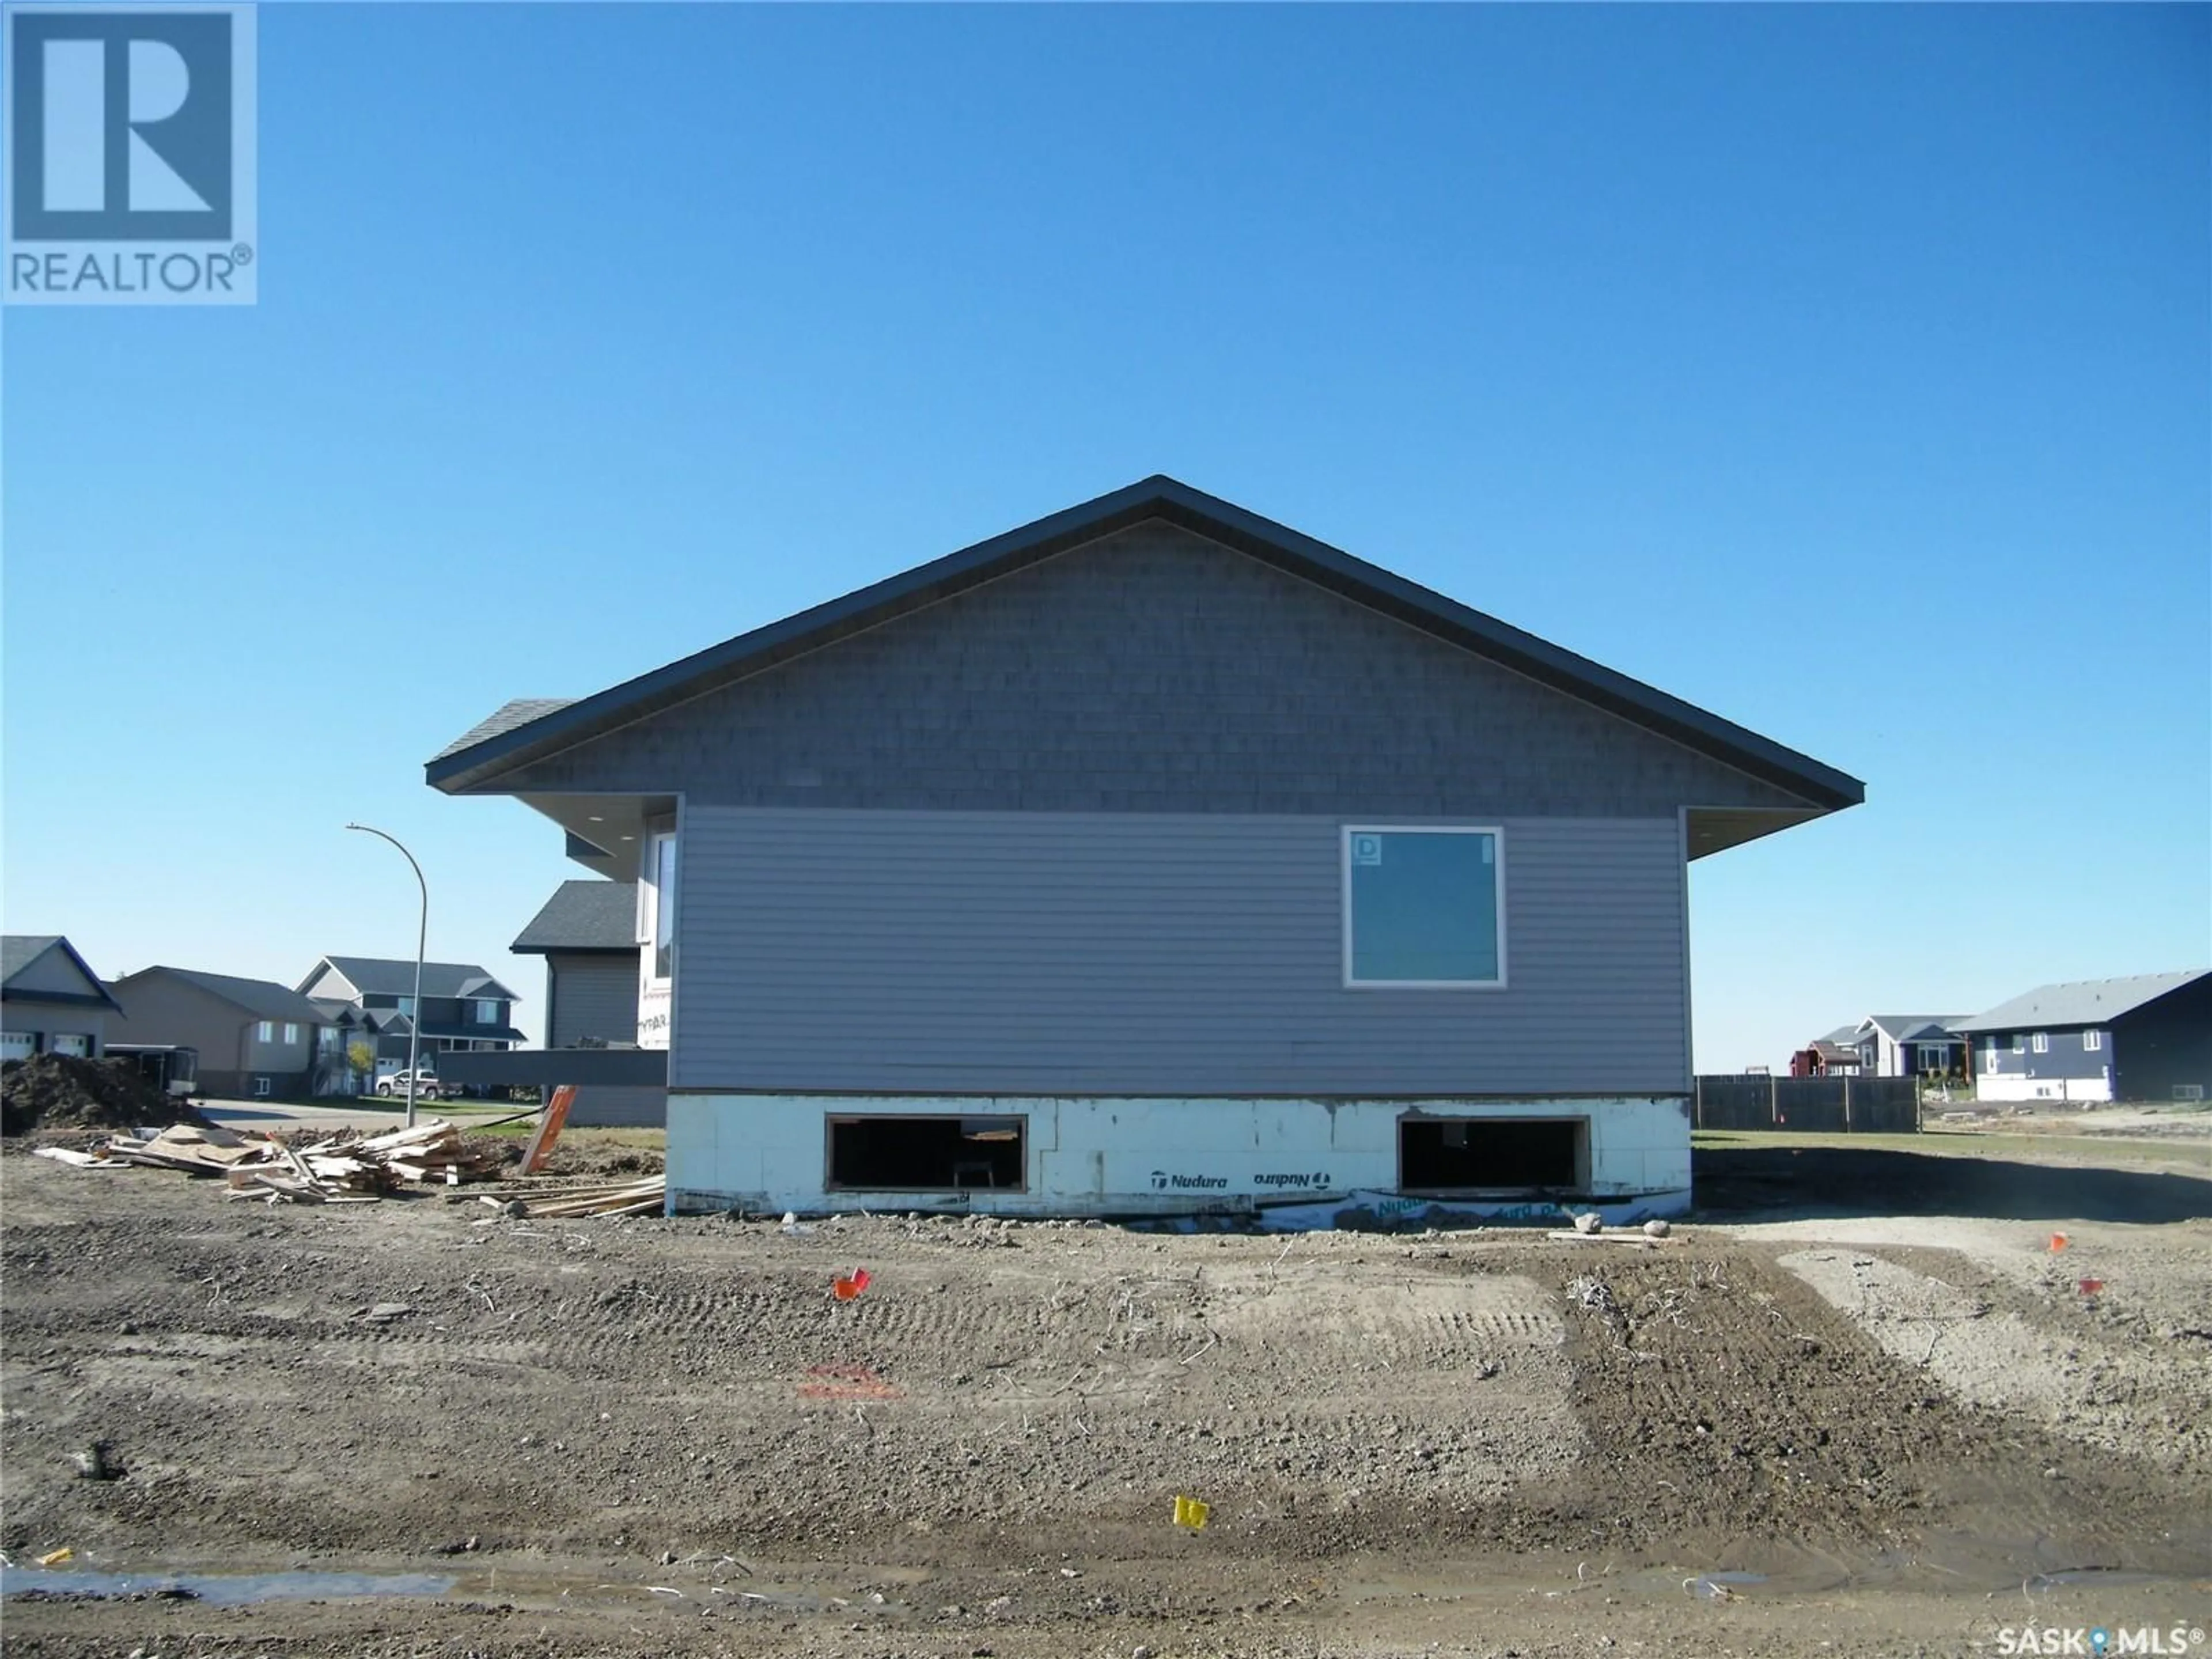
point(645, 1197)
point(432, 1150)
point(343, 1169)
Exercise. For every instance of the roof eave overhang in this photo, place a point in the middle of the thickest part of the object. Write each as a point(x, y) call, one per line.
point(471, 769)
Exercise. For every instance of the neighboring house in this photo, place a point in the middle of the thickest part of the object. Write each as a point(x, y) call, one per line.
point(1151, 858)
point(589, 934)
point(2144, 1038)
point(346, 1028)
point(1911, 1045)
point(1836, 1054)
point(50, 1003)
point(255, 1037)
point(463, 1008)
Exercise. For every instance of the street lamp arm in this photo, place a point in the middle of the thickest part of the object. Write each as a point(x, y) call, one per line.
point(421, 940)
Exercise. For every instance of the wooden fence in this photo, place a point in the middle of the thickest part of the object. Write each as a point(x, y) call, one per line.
point(1817, 1105)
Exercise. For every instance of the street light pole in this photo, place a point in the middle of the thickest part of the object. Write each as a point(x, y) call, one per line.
point(421, 938)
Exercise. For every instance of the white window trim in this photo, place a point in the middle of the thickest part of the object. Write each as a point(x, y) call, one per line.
point(2040, 1043)
point(265, 1031)
point(1344, 902)
point(291, 1031)
point(261, 1088)
point(2091, 1041)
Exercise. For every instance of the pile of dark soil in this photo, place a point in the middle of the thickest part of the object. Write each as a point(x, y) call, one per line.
point(59, 1091)
point(579, 1156)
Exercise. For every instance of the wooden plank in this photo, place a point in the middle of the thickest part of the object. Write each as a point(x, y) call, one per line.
point(549, 1128)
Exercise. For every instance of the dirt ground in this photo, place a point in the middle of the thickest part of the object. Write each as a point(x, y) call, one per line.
point(1862, 1388)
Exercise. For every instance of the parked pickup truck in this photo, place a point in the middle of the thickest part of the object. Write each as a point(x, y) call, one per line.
point(426, 1087)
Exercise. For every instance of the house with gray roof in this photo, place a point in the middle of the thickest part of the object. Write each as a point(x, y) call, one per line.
point(256, 1038)
point(1149, 858)
point(587, 933)
point(1910, 1045)
point(463, 1009)
point(2147, 1037)
point(51, 1002)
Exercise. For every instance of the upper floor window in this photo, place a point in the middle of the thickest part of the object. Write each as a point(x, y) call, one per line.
point(266, 1032)
point(1422, 908)
point(487, 1011)
point(405, 1005)
point(2092, 1041)
point(291, 1032)
point(2042, 1042)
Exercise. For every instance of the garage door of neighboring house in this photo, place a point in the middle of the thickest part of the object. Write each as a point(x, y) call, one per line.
point(17, 1045)
point(72, 1042)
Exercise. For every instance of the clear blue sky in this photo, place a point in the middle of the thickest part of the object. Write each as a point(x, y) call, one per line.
point(1843, 370)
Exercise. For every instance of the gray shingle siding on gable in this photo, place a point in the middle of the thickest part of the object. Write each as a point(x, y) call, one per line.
point(1152, 671)
point(1104, 953)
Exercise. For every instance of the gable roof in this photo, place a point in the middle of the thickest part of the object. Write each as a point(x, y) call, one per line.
point(525, 731)
point(2079, 1002)
point(1844, 1036)
point(19, 951)
point(584, 915)
point(383, 977)
point(1911, 1028)
point(261, 998)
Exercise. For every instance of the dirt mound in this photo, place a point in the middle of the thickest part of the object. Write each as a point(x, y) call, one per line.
point(575, 1157)
point(59, 1091)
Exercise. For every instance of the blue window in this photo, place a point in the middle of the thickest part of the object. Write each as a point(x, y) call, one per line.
point(1422, 908)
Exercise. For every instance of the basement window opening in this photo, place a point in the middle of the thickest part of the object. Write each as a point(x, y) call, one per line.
point(898, 1153)
point(1444, 1155)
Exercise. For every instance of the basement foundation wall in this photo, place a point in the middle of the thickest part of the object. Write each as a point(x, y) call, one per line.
point(1149, 1157)
point(2011, 1086)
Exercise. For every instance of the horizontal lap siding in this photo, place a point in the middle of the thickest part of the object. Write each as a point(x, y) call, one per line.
point(1120, 953)
point(594, 995)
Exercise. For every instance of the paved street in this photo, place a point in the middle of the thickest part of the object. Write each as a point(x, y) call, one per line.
point(276, 1114)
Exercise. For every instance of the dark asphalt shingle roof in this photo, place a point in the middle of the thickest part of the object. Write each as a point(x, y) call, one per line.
point(524, 731)
point(383, 977)
point(520, 712)
point(584, 915)
point(2078, 1002)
